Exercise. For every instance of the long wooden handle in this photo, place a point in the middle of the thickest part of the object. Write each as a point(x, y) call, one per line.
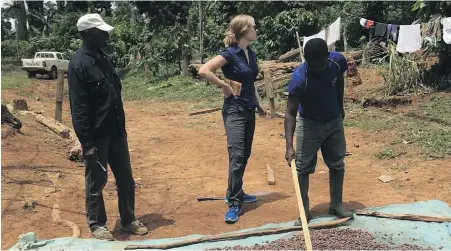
point(305, 230)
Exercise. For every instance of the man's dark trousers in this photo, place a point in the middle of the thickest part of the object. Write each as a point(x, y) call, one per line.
point(239, 123)
point(114, 151)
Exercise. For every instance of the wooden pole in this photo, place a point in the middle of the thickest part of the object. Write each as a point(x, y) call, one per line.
point(240, 235)
point(410, 217)
point(269, 92)
point(201, 34)
point(300, 48)
point(305, 230)
point(344, 38)
point(59, 96)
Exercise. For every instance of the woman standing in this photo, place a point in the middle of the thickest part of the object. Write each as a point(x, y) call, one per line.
point(239, 64)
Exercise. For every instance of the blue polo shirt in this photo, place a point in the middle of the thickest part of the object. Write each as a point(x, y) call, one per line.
point(318, 94)
point(238, 69)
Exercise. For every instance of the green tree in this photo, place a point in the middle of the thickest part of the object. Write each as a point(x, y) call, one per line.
point(34, 12)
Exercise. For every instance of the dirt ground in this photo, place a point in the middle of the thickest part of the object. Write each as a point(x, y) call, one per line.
point(177, 158)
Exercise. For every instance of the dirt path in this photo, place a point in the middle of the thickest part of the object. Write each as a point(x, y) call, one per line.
point(177, 158)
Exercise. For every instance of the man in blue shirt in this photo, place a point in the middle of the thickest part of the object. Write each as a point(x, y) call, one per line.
point(316, 90)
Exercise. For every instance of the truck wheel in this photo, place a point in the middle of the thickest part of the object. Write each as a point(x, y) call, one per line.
point(53, 74)
point(31, 74)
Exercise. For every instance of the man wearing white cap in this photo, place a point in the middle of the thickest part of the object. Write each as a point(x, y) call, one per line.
point(99, 122)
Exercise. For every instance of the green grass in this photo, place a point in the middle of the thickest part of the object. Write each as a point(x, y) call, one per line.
point(139, 87)
point(15, 80)
point(428, 126)
point(386, 154)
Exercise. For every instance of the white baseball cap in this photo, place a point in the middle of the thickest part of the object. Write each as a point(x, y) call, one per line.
point(90, 21)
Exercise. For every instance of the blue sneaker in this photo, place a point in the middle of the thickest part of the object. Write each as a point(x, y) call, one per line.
point(233, 214)
point(246, 199)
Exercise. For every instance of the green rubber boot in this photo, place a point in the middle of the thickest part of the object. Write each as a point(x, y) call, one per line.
point(336, 194)
point(304, 184)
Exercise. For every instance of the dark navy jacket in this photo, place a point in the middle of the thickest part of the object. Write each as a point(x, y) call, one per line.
point(95, 97)
point(238, 69)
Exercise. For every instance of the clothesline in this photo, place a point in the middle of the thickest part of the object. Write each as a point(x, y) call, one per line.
point(382, 22)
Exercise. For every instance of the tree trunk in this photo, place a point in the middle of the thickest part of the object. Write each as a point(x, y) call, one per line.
point(22, 21)
point(201, 35)
point(185, 62)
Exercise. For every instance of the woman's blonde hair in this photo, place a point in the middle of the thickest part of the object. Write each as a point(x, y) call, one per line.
point(237, 28)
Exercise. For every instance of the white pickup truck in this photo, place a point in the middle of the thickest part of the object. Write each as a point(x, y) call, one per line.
point(46, 63)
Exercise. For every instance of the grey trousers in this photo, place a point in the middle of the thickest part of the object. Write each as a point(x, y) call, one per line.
point(114, 151)
point(239, 123)
point(327, 136)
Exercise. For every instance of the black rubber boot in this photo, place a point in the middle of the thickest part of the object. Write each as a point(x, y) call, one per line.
point(336, 194)
point(304, 184)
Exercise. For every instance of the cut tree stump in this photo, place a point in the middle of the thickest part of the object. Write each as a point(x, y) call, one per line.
point(55, 126)
point(20, 105)
point(271, 179)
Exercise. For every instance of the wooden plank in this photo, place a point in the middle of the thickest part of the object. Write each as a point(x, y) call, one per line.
point(55, 126)
point(410, 217)
point(241, 235)
point(205, 111)
point(305, 227)
point(59, 96)
point(271, 179)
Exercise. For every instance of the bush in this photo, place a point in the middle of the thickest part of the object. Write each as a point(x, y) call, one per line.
point(406, 73)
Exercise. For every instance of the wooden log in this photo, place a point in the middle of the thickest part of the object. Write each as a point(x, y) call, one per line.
point(241, 235)
point(55, 126)
point(59, 96)
point(410, 217)
point(57, 219)
point(271, 179)
point(289, 55)
point(206, 111)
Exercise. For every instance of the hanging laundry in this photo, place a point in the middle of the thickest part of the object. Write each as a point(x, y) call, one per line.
point(409, 38)
point(431, 29)
point(334, 32)
point(381, 30)
point(446, 22)
point(363, 22)
point(369, 24)
point(392, 32)
point(430, 32)
point(321, 34)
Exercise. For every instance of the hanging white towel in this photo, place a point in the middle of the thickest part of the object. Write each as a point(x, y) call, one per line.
point(363, 22)
point(409, 39)
point(334, 32)
point(446, 22)
point(321, 34)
